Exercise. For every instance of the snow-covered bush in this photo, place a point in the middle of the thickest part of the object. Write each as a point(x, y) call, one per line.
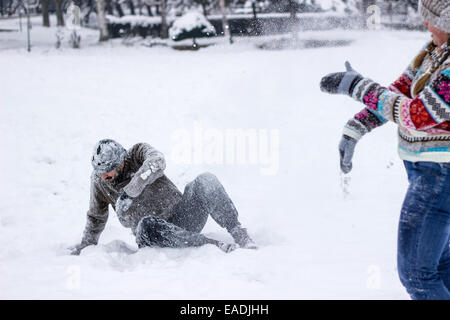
point(339, 6)
point(191, 25)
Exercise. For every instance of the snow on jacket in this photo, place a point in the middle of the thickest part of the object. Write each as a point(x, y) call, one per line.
point(153, 192)
point(423, 120)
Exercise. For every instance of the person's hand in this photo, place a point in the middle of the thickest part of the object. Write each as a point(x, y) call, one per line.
point(153, 166)
point(340, 82)
point(123, 202)
point(346, 151)
point(76, 249)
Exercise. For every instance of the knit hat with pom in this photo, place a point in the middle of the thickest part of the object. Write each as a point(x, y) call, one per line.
point(437, 12)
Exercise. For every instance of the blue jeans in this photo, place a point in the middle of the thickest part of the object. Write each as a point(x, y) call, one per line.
point(423, 234)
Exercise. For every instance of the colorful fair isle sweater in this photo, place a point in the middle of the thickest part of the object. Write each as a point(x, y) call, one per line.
point(423, 120)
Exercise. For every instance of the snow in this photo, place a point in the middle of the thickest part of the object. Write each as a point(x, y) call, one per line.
point(190, 21)
point(313, 244)
point(134, 20)
point(328, 14)
point(338, 6)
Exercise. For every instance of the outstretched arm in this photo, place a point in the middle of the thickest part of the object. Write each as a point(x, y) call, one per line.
point(365, 121)
point(97, 216)
point(430, 109)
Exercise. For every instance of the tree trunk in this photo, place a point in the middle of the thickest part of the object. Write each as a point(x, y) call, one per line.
point(164, 28)
point(225, 26)
point(140, 5)
point(1, 7)
point(254, 10)
point(119, 9)
point(292, 10)
point(101, 20)
point(255, 22)
point(131, 6)
point(149, 10)
point(45, 16)
point(59, 13)
point(87, 15)
point(292, 19)
point(109, 7)
point(205, 12)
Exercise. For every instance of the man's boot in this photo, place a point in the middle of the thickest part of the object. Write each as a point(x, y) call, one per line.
point(241, 237)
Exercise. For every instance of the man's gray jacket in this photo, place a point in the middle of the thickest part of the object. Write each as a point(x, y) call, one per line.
point(152, 192)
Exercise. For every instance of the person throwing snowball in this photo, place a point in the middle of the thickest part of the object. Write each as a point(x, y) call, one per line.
point(418, 102)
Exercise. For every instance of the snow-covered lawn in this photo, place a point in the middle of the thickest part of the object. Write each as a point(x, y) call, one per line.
point(314, 244)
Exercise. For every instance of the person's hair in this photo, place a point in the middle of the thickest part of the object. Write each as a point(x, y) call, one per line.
point(423, 80)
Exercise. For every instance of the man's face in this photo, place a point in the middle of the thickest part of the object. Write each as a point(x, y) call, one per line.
point(111, 175)
point(439, 36)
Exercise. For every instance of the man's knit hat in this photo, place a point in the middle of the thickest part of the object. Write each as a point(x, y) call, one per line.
point(107, 155)
point(437, 12)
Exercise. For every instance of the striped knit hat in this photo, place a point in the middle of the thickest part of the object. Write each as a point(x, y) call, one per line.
point(437, 12)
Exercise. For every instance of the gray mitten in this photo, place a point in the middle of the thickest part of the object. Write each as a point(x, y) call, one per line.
point(340, 82)
point(123, 203)
point(147, 174)
point(346, 151)
point(76, 250)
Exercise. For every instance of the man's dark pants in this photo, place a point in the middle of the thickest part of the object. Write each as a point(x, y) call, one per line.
point(203, 197)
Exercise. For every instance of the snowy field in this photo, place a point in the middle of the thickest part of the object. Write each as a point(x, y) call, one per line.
point(314, 244)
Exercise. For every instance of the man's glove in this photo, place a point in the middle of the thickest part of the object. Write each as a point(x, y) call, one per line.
point(75, 250)
point(153, 167)
point(123, 202)
point(340, 82)
point(147, 174)
point(346, 151)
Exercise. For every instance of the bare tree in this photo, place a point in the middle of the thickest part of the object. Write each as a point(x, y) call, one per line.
point(140, 5)
point(131, 6)
point(59, 13)
point(225, 26)
point(109, 7)
point(164, 27)
point(45, 16)
point(102, 20)
point(119, 8)
point(149, 10)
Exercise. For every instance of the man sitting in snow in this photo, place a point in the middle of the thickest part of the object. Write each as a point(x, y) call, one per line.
point(146, 201)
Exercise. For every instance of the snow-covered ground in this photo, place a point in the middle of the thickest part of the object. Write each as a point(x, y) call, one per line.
point(314, 244)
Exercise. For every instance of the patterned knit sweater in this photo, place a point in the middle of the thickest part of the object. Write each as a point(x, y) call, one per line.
point(423, 120)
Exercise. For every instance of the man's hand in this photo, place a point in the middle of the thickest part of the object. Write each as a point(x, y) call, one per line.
point(76, 249)
point(153, 167)
point(123, 203)
point(340, 82)
point(150, 170)
point(346, 151)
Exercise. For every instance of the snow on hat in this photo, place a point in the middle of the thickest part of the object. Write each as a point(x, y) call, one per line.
point(107, 155)
point(437, 12)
